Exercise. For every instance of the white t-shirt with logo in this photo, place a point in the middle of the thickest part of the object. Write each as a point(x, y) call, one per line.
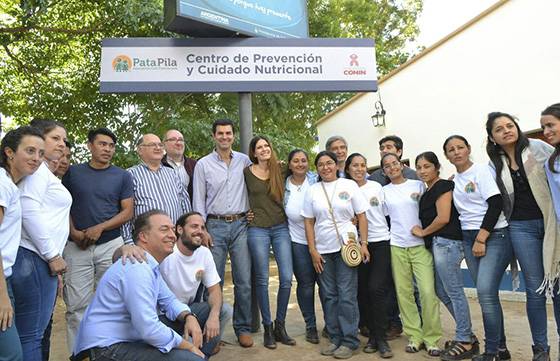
point(293, 211)
point(378, 230)
point(347, 200)
point(401, 205)
point(472, 188)
point(183, 274)
point(10, 227)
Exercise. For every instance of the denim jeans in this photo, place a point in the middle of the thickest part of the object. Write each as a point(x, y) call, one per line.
point(34, 293)
point(260, 240)
point(487, 272)
point(448, 254)
point(306, 279)
point(373, 283)
point(339, 284)
point(232, 237)
point(527, 241)
point(10, 347)
point(139, 351)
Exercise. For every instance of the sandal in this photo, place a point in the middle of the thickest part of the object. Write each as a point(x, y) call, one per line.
point(434, 351)
point(458, 352)
point(413, 348)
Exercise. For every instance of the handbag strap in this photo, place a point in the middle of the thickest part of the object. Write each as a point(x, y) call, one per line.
point(332, 214)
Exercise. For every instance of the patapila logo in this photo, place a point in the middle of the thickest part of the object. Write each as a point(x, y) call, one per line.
point(122, 63)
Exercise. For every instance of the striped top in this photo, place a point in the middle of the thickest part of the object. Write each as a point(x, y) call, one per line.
point(161, 190)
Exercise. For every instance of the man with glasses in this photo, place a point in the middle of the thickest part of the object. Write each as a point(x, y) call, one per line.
point(102, 201)
point(174, 145)
point(155, 186)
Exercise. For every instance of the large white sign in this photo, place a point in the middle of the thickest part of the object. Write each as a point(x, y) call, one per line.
point(237, 65)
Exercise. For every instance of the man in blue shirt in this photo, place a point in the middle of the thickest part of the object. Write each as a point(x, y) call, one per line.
point(122, 323)
point(102, 201)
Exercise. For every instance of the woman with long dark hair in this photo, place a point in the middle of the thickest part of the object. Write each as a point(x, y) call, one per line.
point(410, 260)
point(21, 153)
point(519, 163)
point(329, 208)
point(486, 239)
point(374, 277)
point(45, 206)
point(269, 228)
point(441, 230)
point(298, 181)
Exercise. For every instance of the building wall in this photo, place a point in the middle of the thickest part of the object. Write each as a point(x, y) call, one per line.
point(507, 61)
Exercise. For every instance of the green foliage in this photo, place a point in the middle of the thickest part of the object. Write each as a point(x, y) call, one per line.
point(49, 67)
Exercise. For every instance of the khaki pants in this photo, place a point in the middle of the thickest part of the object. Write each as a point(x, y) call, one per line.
point(416, 262)
point(85, 269)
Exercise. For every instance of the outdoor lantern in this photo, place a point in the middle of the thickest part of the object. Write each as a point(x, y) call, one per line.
point(378, 119)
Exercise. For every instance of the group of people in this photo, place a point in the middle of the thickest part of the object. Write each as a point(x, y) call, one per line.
point(140, 254)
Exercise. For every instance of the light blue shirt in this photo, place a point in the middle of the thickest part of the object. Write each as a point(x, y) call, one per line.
point(554, 183)
point(125, 309)
point(161, 189)
point(218, 188)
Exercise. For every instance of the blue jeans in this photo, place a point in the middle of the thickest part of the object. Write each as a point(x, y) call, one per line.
point(487, 272)
point(139, 351)
point(10, 347)
point(527, 240)
point(448, 254)
point(306, 279)
point(260, 240)
point(34, 293)
point(232, 237)
point(339, 285)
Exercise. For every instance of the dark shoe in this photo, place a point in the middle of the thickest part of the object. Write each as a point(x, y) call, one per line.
point(540, 354)
point(370, 347)
point(504, 355)
point(269, 337)
point(486, 357)
point(281, 335)
point(245, 340)
point(384, 349)
point(311, 335)
point(413, 348)
point(458, 351)
point(364, 331)
point(393, 332)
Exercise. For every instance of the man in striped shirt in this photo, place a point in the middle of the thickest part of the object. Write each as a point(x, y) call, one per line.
point(155, 186)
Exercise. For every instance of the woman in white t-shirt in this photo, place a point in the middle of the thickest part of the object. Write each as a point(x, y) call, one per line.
point(45, 204)
point(486, 240)
point(21, 153)
point(374, 277)
point(298, 181)
point(410, 259)
point(329, 207)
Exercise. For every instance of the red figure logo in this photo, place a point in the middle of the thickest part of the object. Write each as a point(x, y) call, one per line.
point(354, 60)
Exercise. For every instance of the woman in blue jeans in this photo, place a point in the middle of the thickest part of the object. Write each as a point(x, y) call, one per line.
point(441, 230)
point(328, 209)
point(486, 241)
point(519, 164)
point(45, 205)
point(21, 153)
point(265, 186)
point(298, 181)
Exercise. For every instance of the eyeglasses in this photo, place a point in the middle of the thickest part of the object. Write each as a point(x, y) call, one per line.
point(391, 165)
point(330, 163)
point(153, 145)
point(175, 140)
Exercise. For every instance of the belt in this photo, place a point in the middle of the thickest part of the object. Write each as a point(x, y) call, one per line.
point(227, 217)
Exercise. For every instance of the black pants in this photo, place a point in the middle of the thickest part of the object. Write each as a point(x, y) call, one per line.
point(374, 280)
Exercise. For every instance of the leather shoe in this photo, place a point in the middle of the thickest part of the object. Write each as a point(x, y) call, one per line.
point(245, 340)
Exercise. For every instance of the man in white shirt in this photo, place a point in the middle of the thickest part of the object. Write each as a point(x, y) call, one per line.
point(190, 265)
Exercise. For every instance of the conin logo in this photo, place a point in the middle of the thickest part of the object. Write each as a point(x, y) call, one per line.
point(354, 68)
point(122, 63)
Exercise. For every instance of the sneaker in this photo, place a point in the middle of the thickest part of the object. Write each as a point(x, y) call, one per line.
point(486, 357)
point(384, 349)
point(540, 354)
point(504, 355)
point(393, 332)
point(329, 349)
point(342, 352)
point(370, 347)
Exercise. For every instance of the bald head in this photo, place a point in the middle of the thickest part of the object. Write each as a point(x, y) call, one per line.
point(150, 149)
point(174, 144)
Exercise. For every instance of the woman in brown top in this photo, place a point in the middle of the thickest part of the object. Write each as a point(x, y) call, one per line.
point(265, 186)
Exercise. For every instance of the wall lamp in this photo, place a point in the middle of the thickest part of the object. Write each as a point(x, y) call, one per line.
point(378, 119)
